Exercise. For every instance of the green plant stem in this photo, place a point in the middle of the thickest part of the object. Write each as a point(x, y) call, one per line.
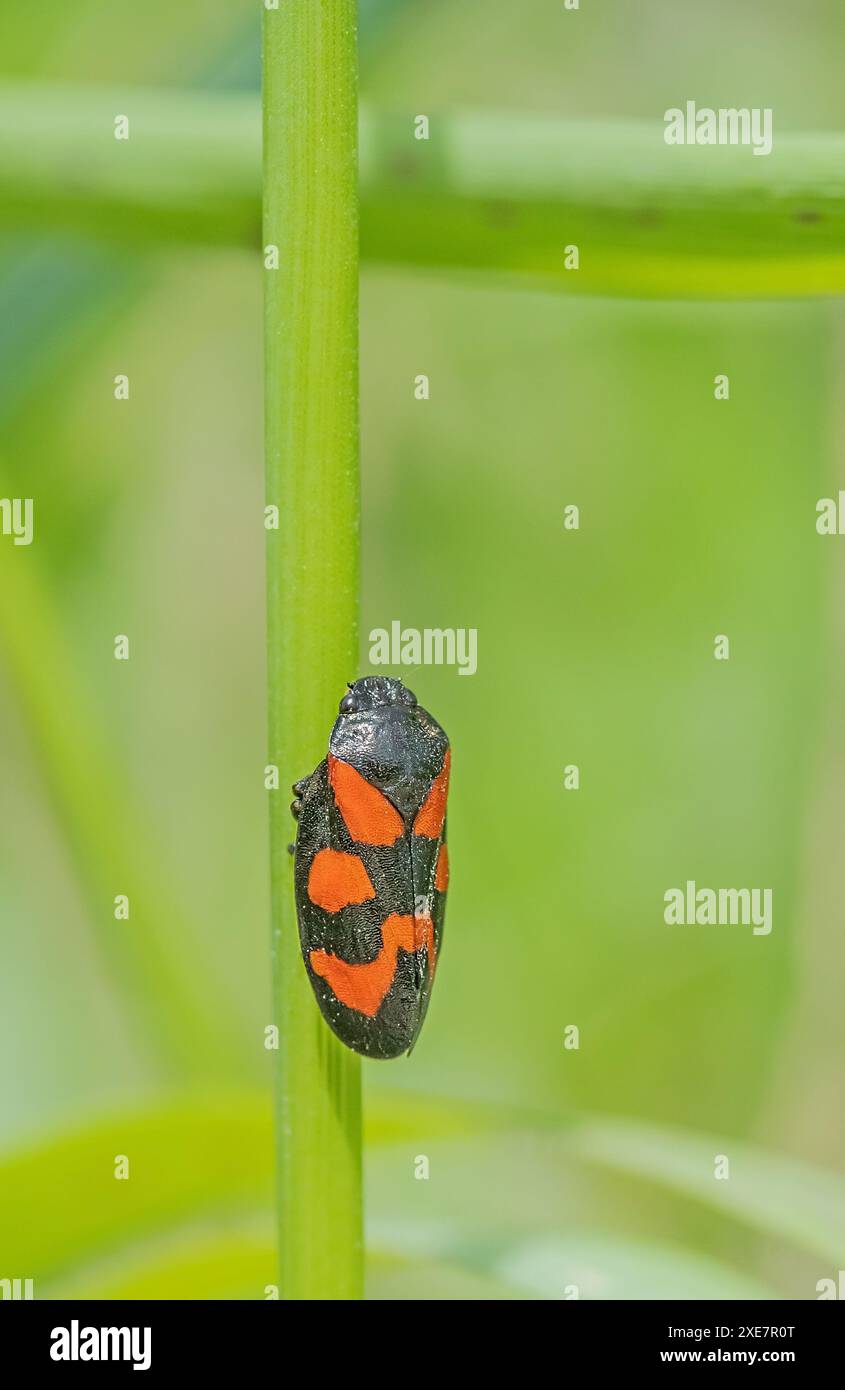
point(311, 363)
point(508, 194)
point(189, 173)
point(495, 192)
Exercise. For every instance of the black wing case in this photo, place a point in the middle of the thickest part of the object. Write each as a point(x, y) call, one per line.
point(383, 1024)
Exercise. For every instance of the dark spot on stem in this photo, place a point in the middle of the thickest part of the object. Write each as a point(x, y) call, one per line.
point(648, 217)
point(807, 215)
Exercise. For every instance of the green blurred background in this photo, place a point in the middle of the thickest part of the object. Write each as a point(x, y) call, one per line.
point(550, 1168)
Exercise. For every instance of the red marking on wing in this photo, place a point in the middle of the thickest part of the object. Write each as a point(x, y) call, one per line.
point(370, 818)
point(364, 987)
point(432, 813)
point(337, 880)
point(441, 873)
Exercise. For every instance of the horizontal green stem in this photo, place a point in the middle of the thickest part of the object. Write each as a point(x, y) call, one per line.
point(498, 192)
point(190, 170)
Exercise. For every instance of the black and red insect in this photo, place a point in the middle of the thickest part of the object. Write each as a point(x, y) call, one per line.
point(371, 867)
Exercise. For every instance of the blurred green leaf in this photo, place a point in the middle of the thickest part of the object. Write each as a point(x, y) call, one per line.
point(193, 1218)
point(583, 1264)
point(190, 1158)
point(61, 1206)
point(227, 1259)
point(390, 1276)
point(778, 1195)
point(607, 1267)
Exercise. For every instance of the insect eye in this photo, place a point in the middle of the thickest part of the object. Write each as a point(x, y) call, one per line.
point(347, 704)
point(410, 697)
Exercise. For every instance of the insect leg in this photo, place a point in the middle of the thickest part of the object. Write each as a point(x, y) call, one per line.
point(298, 790)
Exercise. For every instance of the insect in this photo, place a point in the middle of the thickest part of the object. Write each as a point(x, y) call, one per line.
point(371, 867)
